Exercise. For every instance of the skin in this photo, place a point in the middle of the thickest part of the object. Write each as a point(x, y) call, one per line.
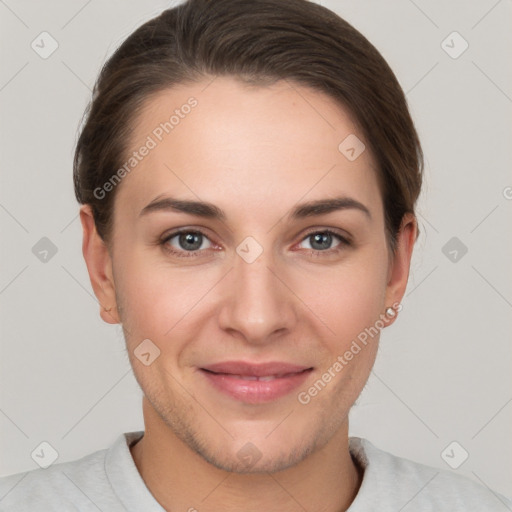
point(255, 152)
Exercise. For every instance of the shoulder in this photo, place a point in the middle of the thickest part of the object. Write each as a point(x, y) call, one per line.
point(80, 484)
point(391, 482)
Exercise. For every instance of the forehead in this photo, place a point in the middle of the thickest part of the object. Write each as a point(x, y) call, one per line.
point(235, 144)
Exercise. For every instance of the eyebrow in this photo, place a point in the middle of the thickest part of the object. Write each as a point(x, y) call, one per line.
point(210, 211)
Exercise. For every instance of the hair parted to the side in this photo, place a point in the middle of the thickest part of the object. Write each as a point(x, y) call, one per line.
point(259, 42)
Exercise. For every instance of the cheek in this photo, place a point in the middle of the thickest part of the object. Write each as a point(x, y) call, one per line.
point(156, 298)
point(350, 305)
point(347, 298)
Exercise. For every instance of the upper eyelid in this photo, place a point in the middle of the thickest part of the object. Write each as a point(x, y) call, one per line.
point(173, 234)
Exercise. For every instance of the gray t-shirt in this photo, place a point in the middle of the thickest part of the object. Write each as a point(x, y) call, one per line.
point(108, 480)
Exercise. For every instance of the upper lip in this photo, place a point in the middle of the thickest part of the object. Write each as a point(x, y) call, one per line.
point(255, 370)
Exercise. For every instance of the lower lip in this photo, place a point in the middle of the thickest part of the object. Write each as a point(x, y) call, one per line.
point(256, 391)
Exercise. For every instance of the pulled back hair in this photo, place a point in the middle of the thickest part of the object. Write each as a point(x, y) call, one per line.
point(258, 42)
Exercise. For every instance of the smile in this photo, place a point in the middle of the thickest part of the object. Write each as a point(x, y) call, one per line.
point(246, 387)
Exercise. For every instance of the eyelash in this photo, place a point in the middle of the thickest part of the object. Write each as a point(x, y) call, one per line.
point(344, 242)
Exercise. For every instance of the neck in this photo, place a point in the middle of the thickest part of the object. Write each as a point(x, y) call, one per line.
point(180, 479)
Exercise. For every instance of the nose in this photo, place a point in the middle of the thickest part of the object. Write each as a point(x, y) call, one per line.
point(259, 305)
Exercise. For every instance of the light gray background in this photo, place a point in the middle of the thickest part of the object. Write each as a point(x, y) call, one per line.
point(443, 372)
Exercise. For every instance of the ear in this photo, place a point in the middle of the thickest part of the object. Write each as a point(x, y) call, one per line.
point(398, 273)
point(99, 266)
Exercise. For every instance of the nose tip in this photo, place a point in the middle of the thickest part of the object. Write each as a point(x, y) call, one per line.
point(258, 305)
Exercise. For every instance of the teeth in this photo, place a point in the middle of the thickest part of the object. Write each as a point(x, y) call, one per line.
point(265, 378)
point(253, 377)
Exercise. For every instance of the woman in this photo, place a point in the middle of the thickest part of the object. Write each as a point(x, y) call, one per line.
point(248, 172)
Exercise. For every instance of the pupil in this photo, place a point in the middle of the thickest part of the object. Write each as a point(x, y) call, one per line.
point(187, 240)
point(323, 239)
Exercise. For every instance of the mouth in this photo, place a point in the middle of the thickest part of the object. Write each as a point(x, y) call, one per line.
point(255, 384)
point(265, 378)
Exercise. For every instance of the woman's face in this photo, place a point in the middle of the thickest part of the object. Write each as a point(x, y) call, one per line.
point(255, 278)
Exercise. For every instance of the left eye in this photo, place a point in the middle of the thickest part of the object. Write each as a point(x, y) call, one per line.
point(322, 240)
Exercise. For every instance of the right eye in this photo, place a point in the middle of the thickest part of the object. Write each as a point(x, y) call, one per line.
point(184, 241)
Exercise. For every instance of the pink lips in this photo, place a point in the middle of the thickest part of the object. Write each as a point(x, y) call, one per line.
point(255, 383)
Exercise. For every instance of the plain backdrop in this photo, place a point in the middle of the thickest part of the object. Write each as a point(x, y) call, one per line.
point(443, 371)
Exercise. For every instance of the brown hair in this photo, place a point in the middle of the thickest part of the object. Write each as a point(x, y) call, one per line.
point(260, 42)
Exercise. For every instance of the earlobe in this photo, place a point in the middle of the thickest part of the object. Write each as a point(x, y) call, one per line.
point(99, 267)
point(400, 265)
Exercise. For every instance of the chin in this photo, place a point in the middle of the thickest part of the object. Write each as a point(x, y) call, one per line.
point(250, 460)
